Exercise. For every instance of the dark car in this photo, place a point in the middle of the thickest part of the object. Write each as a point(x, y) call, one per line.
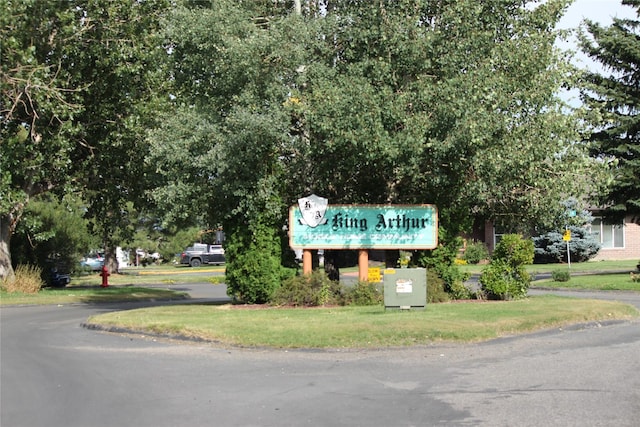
point(56, 272)
point(59, 280)
point(55, 275)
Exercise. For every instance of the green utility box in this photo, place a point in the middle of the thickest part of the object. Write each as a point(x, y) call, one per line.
point(405, 288)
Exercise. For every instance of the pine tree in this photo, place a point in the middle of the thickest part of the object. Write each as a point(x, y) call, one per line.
point(613, 95)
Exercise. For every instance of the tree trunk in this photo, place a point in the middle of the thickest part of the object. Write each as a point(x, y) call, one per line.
point(6, 270)
point(111, 260)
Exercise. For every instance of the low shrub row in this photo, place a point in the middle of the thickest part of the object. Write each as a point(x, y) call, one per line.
point(317, 289)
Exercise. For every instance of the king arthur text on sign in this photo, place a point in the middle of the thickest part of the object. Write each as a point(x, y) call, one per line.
point(315, 225)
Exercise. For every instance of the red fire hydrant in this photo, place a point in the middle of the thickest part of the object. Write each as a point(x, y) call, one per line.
point(105, 274)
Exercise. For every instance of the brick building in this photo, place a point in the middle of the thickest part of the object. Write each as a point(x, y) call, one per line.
point(619, 241)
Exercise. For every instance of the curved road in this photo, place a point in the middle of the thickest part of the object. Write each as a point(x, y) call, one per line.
point(56, 373)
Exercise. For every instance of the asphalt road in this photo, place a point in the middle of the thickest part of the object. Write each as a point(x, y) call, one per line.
point(55, 373)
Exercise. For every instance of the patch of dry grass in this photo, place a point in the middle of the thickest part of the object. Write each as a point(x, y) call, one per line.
point(27, 279)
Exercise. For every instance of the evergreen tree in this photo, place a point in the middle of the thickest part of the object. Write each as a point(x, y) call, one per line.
point(613, 96)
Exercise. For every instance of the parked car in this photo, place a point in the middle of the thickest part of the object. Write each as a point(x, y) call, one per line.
point(93, 262)
point(55, 273)
point(58, 279)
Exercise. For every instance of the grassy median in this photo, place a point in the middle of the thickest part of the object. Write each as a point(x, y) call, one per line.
point(363, 327)
point(337, 327)
point(90, 295)
point(593, 282)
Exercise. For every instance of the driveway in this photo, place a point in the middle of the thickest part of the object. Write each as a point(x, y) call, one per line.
point(56, 373)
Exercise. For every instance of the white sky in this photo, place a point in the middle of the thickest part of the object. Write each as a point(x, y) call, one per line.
point(600, 11)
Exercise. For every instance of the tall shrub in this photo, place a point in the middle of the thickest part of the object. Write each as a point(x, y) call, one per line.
point(253, 270)
point(505, 277)
point(441, 260)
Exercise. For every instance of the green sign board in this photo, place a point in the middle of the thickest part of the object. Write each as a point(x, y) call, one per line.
point(363, 227)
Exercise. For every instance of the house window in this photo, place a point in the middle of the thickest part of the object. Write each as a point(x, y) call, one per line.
point(608, 234)
point(498, 232)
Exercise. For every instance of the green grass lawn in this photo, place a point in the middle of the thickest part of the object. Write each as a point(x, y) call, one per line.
point(139, 276)
point(128, 286)
point(601, 282)
point(580, 267)
point(90, 295)
point(364, 327)
point(339, 327)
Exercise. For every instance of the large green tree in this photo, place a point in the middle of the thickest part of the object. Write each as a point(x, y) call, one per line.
point(37, 134)
point(121, 59)
point(219, 154)
point(449, 102)
point(613, 96)
point(77, 84)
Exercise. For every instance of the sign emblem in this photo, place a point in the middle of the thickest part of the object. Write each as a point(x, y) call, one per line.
point(313, 209)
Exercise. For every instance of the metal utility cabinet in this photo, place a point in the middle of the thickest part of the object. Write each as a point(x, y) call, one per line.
point(405, 288)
